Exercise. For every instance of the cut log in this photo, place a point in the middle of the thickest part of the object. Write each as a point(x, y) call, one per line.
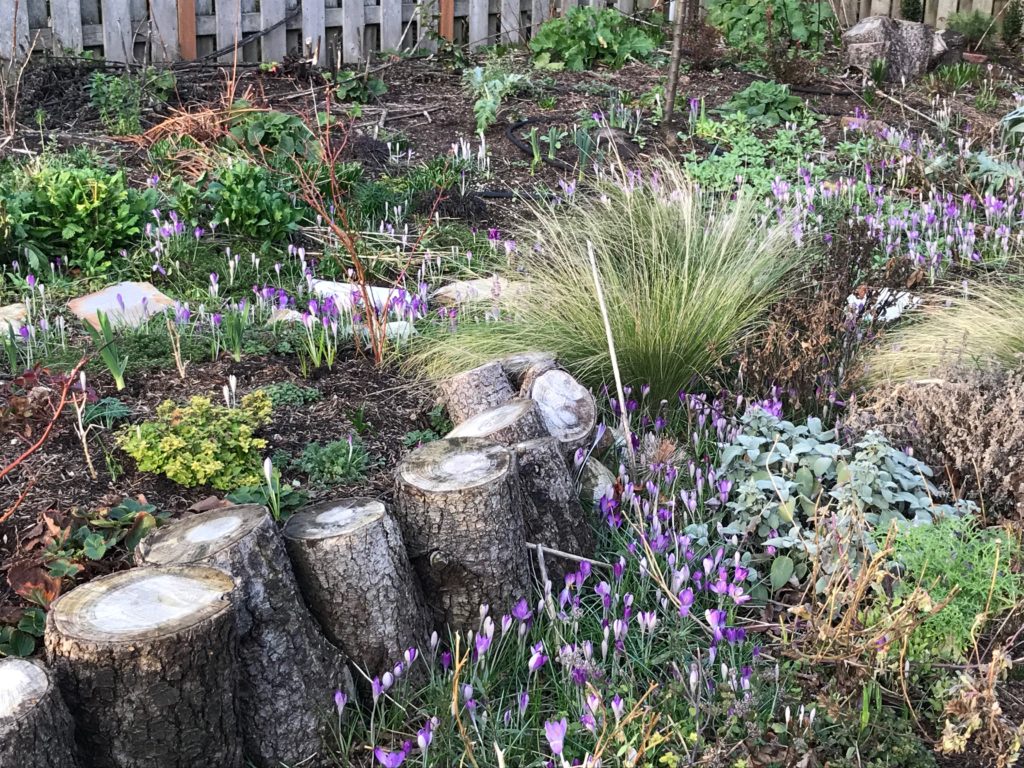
point(355, 574)
point(517, 365)
point(36, 730)
point(553, 516)
point(146, 661)
point(567, 408)
point(506, 424)
point(596, 482)
point(531, 373)
point(460, 508)
point(472, 392)
point(289, 672)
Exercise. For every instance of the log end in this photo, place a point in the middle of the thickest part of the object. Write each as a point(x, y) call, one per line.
point(23, 684)
point(142, 603)
point(338, 517)
point(199, 537)
point(456, 464)
point(567, 408)
point(495, 420)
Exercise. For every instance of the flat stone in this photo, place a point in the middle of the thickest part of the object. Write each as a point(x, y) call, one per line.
point(480, 289)
point(342, 293)
point(13, 317)
point(284, 316)
point(893, 306)
point(126, 304)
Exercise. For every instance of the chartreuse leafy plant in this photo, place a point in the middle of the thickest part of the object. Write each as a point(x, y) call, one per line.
point(586, 36)
point(202, 443)
point(795, 493)
point(685, 275)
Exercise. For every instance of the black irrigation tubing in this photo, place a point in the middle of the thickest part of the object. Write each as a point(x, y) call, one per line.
point(510, 134)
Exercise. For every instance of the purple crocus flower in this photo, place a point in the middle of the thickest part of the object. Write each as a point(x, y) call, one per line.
point(340, 700)
point(685, 601)
point(716, 620)
point(554, 731)
point(390, 759)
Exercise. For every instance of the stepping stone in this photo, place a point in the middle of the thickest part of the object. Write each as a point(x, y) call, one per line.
point(13, 317)
point(126, 304)
point(481, 289)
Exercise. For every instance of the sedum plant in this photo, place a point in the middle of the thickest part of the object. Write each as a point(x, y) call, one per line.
point(202, 443)
point(796, 494)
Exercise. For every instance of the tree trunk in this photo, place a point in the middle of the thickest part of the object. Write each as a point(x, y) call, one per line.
point(507, 424)
point(567, 408)
point(472, 392)
point(517, 365)
point(36, 730)
point(530, 374)
point(289, 672)
point(554, 517)
point(145, 660)
point(460, 509)
point(355, 574)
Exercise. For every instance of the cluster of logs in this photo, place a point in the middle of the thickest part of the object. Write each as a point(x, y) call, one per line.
point(206, 654)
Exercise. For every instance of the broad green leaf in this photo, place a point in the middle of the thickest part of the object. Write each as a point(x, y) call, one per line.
point(782, 571)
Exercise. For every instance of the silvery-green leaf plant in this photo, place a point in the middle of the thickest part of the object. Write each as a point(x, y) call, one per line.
point(795, 493)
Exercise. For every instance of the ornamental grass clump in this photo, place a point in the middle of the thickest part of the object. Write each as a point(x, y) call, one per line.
point(685, 277)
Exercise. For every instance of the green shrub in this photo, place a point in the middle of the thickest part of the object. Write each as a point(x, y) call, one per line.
point(785, 478)
point(251, 201)
point(685, 276)
point(974, 26)
point(202, 443)
point(119, 98)
point(82, 215)
point(488, 86)
point(586, 36)
point(271, 135)
point(955, 560)
point(287, 393)
point(765, 103)
point(912, 10)
point(804, 23)
point(1013, 23)
point(342, 461)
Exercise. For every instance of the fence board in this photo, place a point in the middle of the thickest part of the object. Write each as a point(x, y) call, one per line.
point(477, 23)
point(985, 6)
point(540, 10)
point(510, 21)
point(274, 45)
point(118, 32)
point(187, 29)
point(229, 28)
point(353, 19)
point(314, 29)
point(163, 31)
point(944, 9)
point(66, 22)
point(390, 24)
point(446, 22)
point(13, 29)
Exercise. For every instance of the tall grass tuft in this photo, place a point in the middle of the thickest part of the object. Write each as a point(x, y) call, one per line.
point(980, 326)
point(685, 275)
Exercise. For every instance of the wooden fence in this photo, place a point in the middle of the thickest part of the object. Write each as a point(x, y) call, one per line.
point(335, 31)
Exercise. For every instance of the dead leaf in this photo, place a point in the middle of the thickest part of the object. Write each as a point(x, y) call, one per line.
point(31, 582)
point(208, 504)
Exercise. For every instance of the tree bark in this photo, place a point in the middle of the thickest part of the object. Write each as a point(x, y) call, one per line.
point(517, 365)
point(355, 574)
point(507, 424)
point(146, 661)
point(567, 408)
point(460, 507)
point(36, 729)
point(554, 516)
point(289, 672)
point(475, 391)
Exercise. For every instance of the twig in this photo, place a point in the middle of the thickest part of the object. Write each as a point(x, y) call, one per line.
point(568, 555)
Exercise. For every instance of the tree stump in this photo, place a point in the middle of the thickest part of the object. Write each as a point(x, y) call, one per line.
point(460, 507)
point(554, 517)
point(355, 574)
point(506, 424)
point(145, 660)
point(472, 392)
point(531, 373)
point(567, 408)
point(289, 672)
point(596, 482)
point(518, 364)
point(36, 729)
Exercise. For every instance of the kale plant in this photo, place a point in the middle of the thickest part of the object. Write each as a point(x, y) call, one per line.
point(488, 86)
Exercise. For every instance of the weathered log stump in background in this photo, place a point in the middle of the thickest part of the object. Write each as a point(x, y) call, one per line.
point(472, 392)
point(596, 482)
point(460, 508)
point(289, 672)
point(530, 374)
point(567, 408)
point(355, 574)
point(554, 517)
point(36, 730)
point(146, 661)
point(506, 424)
point(517, 365)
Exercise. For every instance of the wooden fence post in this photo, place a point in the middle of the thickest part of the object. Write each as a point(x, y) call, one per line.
point(510, 22)
point(13, 29)
point(353, 21)
point(187, 29)
point(390, 24)
point(163, 30)
point(118, 31)
point(274, 45)
point(314, 29)
point(478, 10)
point(66, 22)
point(229, 29)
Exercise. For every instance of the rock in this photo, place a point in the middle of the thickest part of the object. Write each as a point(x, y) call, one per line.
point(905, 46)
point(481, 289)
point(947, 48)
point(284, 316)
point(872, 127)
point(343, 293)
point(891, 305)
point(126, 304)
point(13, 317)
